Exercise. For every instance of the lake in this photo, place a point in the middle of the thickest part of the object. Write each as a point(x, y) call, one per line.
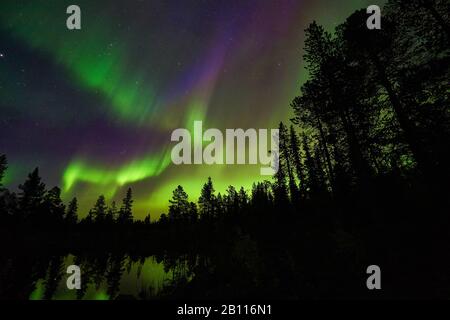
point(103, 276)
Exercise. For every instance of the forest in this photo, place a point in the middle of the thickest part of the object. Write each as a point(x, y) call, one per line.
point(363, 179)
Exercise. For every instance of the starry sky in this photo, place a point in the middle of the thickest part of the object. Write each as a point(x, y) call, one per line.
point(94, 108)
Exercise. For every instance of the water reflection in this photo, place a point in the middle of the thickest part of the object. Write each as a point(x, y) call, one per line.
point(103, 276)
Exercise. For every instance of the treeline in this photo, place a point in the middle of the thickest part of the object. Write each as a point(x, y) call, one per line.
point(36, 206)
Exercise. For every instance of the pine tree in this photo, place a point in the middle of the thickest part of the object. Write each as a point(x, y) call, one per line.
point(426, 7)
point(99, 210)
point(31, 195)
point(111, 214)
point(179, 205)
point(89, 219)
point(420, 73)
point(297, 162)
point(280, 190)
point(333, 98)
point(243, 199)
point(287, 159)
point(313, 180)
point(126, 211)
point(219, 206)
point(193, 212)
point(72, 212)
point(376, 47)
point(207, 200)
point(231, 201)
point(54, 207)
point(3, 167)
point(163, 220)
point(319, 168)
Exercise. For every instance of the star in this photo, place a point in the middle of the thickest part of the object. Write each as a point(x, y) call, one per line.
point(2, 55)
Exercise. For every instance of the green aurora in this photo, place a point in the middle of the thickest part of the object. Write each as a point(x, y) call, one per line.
point(142, 69)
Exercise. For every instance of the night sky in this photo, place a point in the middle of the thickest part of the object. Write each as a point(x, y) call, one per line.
point(94, 108)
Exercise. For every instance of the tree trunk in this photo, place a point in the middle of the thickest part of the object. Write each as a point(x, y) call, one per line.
point(408, 130)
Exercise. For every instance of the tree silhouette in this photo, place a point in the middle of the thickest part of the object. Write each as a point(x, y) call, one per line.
point(426, 7)
point(207, 201)
point(376, 47)
point(111, 214)
point(54, 208)
point(179, 205)
point(31, 195)
point(126, 211)
point(89, 219)
point(287, 156)
point(231, 201)
point(281, 192)
point(192, 213)
point(72, 212)
point(163, 220)
point(54, 276)
point(147, 219)
point(243, 199)
point(3, 167)
point(296, 158)
point(114, 273)
point(99, 210)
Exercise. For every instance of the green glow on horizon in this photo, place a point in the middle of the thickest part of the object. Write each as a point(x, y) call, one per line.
point(101, 296)
point(222, 177)
point(136, 170)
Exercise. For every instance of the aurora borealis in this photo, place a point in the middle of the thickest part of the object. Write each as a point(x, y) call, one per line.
point(94, 108)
